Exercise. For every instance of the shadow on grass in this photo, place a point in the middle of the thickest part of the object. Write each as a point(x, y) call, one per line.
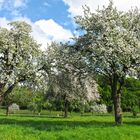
point(84, 115)
point(136, 123)
point(131, 117)
point(55, 124)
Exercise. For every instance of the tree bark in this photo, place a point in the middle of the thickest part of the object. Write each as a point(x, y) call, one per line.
point(65, 109)
point(117, 109)
point(7, 111)
point(116, 95)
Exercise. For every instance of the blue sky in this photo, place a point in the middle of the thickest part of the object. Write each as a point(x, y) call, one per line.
point(52, 20)
point(39, 9)
point(51, 9)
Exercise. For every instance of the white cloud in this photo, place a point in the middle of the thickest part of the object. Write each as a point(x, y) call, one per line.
point(46, 4)
point(4, 23)
point(75, 6)
point(43, 31)
point(53, 30)
point(13, 6)
point(19, 3)
point(1, 4)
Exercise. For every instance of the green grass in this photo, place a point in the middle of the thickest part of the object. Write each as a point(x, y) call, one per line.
point(75, 127)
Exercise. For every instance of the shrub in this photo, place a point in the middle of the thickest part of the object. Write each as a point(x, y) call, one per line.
point(98, 108)
point(135, 110)
point(13, 108)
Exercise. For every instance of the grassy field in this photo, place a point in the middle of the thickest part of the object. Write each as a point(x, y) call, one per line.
point(75, 127)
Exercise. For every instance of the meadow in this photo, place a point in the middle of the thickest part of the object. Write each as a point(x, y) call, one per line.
point(25, 126)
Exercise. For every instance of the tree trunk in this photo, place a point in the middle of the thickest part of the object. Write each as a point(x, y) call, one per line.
point(50, 111)
point(2, 85)
point(7, 111)
point(1, 99)
point(117, 109)
point(65, 109)
point(116, 102)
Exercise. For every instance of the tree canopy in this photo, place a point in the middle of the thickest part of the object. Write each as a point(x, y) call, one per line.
point(111, 45)
point(18, 56)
